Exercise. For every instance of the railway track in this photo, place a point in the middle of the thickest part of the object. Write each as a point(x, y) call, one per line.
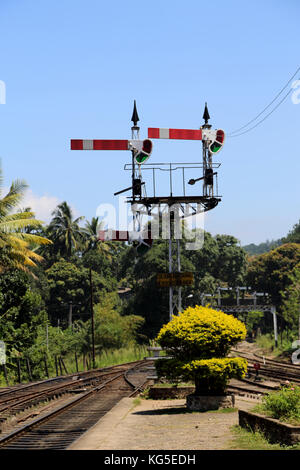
point(270, 368)
point(272, 375)
point(98, 391)
point(250, 389)
point(19, 399)
point(60, 427)
point(19, 389)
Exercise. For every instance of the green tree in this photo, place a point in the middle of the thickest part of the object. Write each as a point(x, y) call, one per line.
point(70, 283)
point(270, 272)
point(112, 330)
point(291, 299)
point(148, 300)
point(232, 261)
point(99, 255)
point(294, 235)
point(220, 262)
point(17, 245)
point(98, 262)
point(91, 229)
point(222, 258)
point(198, 341)
point(205, 259)
point(22, 309)
point(68, 237)
point(92, 242)
point(264, 247)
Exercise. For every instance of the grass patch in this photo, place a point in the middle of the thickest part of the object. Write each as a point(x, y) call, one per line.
point(145, 394)
point(173, 385)
point(137, 401)
point(282, 352)
point(108, 358)
point(260, 409)
point(223, 410)
point(283, 405)
point(105, 358)
point(248, 440)
point(120, 356)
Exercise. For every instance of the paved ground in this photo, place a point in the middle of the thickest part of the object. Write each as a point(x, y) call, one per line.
point(161, 425)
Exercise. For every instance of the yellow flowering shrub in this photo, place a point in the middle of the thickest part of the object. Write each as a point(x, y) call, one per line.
point(198, 340)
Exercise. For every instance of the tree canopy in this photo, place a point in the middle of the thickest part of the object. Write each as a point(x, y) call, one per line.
point(45, 281)
point(270, 272)
point(17, 243)
point(198, 341)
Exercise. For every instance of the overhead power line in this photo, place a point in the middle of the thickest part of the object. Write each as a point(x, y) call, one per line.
point(268, 106)
point(262, 120)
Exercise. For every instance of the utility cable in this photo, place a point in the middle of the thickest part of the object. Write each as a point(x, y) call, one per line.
point(262, 120)
point(274, 99)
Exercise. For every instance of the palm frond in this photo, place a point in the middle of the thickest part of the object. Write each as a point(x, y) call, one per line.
point(16, 242)
point(7, 225)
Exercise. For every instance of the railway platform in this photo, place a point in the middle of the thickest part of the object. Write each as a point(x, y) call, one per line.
point(143, 424)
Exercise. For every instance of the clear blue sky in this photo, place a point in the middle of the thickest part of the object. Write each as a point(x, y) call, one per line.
point(73, 68)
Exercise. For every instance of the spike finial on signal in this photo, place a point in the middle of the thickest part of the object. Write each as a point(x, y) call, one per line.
point(135, 117)
point(206, 115)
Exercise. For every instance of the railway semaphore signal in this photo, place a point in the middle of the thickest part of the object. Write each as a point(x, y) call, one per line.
point(212, 143)
point(170, 204)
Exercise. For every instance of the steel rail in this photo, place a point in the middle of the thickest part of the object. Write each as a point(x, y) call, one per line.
point(66, 387)
point(82, 377)
point(20, 387)
point(84, 396)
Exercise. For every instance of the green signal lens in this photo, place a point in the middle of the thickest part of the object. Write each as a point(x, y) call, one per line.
point(141, 157)
point(215, 147)
point(218, 143)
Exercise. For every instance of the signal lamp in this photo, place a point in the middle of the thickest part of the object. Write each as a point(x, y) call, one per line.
point(145, 152)
point(218, 143)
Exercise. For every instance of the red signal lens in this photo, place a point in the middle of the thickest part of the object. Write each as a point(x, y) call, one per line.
point(147, 146)
point(220, 136)
point(216, 146)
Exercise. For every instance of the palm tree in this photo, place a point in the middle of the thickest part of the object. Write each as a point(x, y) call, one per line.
point(67, 235)
point(91, 231)
point(17, 247)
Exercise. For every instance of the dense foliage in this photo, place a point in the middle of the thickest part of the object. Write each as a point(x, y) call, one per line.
point(221, 261)
point(18, 231)
point(46, 291)
point(291, 298)
point(283, 404)
point(261, 248)
point(198, 340)
point(271, 271)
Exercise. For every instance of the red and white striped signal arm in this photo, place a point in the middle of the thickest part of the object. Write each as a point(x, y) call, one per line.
point(113, 235)
point(112, 144)
point(184, 134)
point(99, 144)
point(124, 235)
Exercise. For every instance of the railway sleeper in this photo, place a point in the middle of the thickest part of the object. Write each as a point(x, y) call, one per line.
point(14, 411)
